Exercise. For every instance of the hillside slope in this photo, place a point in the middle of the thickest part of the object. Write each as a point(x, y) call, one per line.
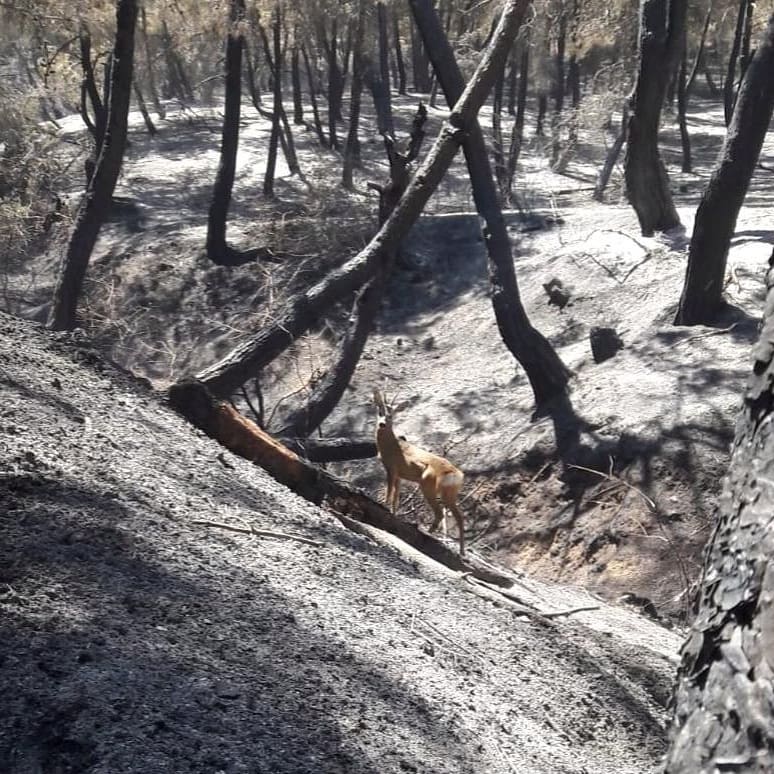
point(133, 639)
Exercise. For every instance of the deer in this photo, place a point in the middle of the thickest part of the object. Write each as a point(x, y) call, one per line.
point(439, 480)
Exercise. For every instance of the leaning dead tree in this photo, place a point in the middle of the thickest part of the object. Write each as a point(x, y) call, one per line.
point(702, 296)
point(724, 705)
point(547, 374)
point(301, 312)
point(95, 206)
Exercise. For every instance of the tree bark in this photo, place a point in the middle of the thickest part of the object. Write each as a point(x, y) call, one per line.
point(144, 110)
point(384, 68)
point(225, 376)
point(724, 713)
point(702, 296)
point(699, 60)
point(558, 88)
point(603, 178)
point(517, 131)
point(682, 107)
point(96, 203)
point(647, 184)
point(547, 374)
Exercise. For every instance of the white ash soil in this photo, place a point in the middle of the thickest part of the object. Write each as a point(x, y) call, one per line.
point(658, 416)
point(134, 639)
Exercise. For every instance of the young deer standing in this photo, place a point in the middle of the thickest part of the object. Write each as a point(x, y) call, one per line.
point(437, 477)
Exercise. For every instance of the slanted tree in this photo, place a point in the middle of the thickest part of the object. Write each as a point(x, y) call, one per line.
point(729, 85)
point(95, 205)
point(702, 296)
point(647, 185)
point(547, 375)
point(352, 144)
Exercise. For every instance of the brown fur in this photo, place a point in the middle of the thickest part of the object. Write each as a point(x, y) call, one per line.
point(439, 480)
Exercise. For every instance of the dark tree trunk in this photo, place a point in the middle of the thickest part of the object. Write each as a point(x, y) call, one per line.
point(699, 60)
point(702, 296)
point(154, 91)
point(498, 149)
point(218, 250)
point(420, 63)
point(513, 72)
point(723, 710)
point(276, 121)
point(547, 374)
point(352, 145)
point(733, 59)
point(335, 81)
point(559, 87)
point(252, 82)
point(89, 85)
point(399, 61)
point(744, 55)
point(541, 114)
point(603, 178)
point(224, 377)
point(517, 132)
point(682, 106)
point(144, 110)
point(295, 74)
point(318, 127)
point(384, 69)
point(647, 184)
point(95, 206)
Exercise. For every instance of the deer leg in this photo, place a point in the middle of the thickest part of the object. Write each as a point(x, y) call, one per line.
point(395, 493)
point(429, 487)
point(460, 525)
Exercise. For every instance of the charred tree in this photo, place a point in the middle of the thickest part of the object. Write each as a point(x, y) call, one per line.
point(246, 360)
point(559, 86)
point(541, 114)
point(698, 61)
point(318, 127)
point(547, 375)
point(149, 65)
point(399, 61)
point(682, 107)
point(179, 85)
point(295, 77)
point(647, 185)
point(723, 709)
point(143, 108)
point(95, 205)
point(729, 90)
point(218, 250)
point(352, 145)
point(603, 178)
point(702, 296)
point(517, 131)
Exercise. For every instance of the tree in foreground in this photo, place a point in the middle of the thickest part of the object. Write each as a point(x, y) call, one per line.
point(724, 700)
point(702, 296)
point(95, 206)
point(647, 185)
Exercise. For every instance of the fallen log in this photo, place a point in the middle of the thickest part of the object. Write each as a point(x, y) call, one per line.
point(240, 435)
point(331, 449)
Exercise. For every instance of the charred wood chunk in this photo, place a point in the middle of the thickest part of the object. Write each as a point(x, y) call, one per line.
point(605, 342)
point(558, 294)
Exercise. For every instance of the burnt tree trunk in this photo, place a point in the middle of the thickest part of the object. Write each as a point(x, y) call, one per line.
point(682, 106)
point(517, 131)
point(318, 127)
point(423, 81)
point(702, 296)
point(295, 76)
point(603, 178)
point(541, 114)
point(352, 145)
point(547, 374)
point(723, 708)
point(154, 91)
point(246, 360)
point(178, 80)
point(384, 68)
point(144, 110)
point(647, 184)
point(699, 60)
point(559, 86)
point(729, 91)
point(218, 251)
point(399, 61)
point(94, 208)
